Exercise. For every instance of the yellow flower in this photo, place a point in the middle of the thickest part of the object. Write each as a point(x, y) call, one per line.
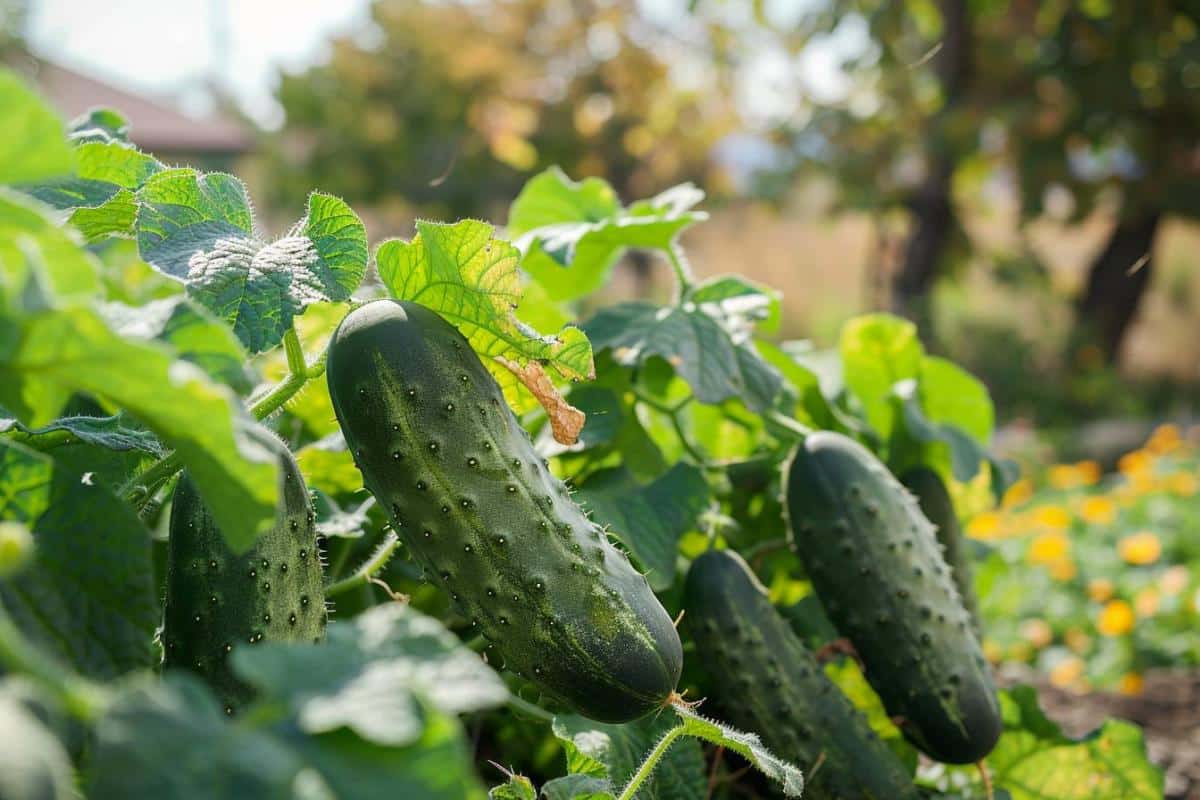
point(1164, 439)
point(1052, 516)
point(1061, 476)
point(1062, 569)
point(1098, 510)
point(985, 526)
point(1020, 651)
point(1140, 548)
point(1174, 580)
point(1146, 602)
point(1037, 632)
point(1182, 483)
point(1131, 683)
point(1018, 493)
point(1088, 472)
point(1136, 462)
point(992, 651)
point(1077, 640)
point(1100, 589)
point(1116, 618)
point(1066, 672)
point(1047, 548)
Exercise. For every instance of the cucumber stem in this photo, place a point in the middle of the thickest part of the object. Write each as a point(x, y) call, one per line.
point(299, 374)
point(364, 574)
point(648, 766)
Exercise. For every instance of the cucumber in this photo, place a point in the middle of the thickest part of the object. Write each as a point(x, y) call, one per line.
point(218, 600)
point(765, 680)
point(938, 508)
point(478, 509)
point(875, 563)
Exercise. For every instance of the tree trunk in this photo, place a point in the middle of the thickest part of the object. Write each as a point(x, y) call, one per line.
point(1116, 282)
point(933, 211)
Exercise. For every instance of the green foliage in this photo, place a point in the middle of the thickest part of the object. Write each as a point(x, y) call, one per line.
point(471, 278)
point(116, 374)
point(571, 234)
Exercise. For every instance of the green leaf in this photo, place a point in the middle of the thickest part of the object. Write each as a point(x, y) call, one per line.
point(878, 351)
point(102, 168)
point(200, 230)
point(577, 787)
point(370, 673)
point(570, 234)
point(715, 364)
point(193, 333)
point(111, 433)
point(740, 303)
point(34, 145)
point(170, 740)
point(1034, 760)
point(811, 405)
point(37, 257)
point(333, 521)
point(49, 356)
point(33, 764)
point(746, 745)
point(965, 453)
point(327, 465)
point(648, 519)
point(88, 597)
point(951, 395)
point(613, 753)
point(100, 125)
point(517, 787)
point(471, 279)
point(116, 217)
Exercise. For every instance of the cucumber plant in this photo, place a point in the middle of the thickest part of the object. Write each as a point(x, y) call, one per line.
point(144, 318)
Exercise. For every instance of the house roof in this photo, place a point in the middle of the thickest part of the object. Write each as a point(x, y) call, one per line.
point(155, 126)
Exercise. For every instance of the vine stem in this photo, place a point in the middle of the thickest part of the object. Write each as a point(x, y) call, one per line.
point(299, 374)
point(529, 708)
point(82, 698)
point(647, 767)
point(364, 573)
point(672, 413)
point(683, 273)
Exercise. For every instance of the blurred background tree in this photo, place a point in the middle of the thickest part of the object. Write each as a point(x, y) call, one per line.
point(1094, 104)
point(447, 108)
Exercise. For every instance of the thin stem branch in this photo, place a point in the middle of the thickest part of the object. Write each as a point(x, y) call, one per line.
point(529, 708)
point(683, 272)
point(366, 572)
point(298, 374)
point(647, 767)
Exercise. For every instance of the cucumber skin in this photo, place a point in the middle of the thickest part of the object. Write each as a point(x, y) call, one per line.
point(478, 509)
point(938, 508)
point(875, 563)
point(765, 680)
point(218, 600)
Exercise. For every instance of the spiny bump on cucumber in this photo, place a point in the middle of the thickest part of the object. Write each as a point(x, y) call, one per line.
point(765, 680)
point(479, 510)
point(218, 600)
point(878, 570)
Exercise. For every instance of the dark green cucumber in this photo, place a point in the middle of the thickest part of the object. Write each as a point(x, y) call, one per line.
point(766, 681)
point(218, 600)
point(875, 563)
point(938, 508)
point(441, 451)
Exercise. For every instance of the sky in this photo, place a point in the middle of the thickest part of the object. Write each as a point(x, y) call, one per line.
point(173, 48)
point(170, 47)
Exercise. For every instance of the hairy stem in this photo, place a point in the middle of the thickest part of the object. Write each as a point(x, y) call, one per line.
point(526, 707)
point(683, 272)
point(648, 766)
point(364, 573)
point(140, 488)
point(80, 697)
